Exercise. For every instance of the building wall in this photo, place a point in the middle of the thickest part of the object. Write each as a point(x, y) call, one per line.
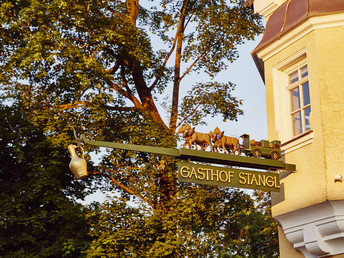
point(309, 159)
point(330, 62)
point(322, 158)
point(310, 207)
point(318, 154)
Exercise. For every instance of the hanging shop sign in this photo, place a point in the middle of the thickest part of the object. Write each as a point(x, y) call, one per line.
point(216, 175)
point(223, 176)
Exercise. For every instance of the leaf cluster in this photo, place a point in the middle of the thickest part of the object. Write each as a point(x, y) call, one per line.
point(58, 53)
point(39, 216)
point(208, 222)
point(210, 99)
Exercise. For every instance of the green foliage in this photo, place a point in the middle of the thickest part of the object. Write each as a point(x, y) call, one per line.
point(203, 221)
point(36, 217)
point(102, 66)
point(215, 98)
point(59, 52)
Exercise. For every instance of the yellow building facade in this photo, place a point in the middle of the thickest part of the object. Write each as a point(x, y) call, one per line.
point(301, 59)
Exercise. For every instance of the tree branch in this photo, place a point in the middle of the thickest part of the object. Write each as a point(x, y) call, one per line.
point(126, 94)
point(176, 80)
point(125, 82)
point(123, 186)
point(169, 53)
point(76, 104)
point(193, 112)
point(132, 7)
point(199, 57)
point(167, 57)
point(113, 69)
point(117, 108)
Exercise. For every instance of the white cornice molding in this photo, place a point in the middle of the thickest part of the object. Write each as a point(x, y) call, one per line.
point(316, 231)
point(266, 8)
point(290, 59)
point(313, 23)
point(298, 143)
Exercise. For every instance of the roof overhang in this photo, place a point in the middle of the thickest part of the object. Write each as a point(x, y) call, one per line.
point(289, 16)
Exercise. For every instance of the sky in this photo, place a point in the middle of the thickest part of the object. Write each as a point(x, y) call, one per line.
point(250, 88)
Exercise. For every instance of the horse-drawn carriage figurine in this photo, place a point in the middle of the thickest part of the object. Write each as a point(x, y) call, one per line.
point(263, 148)
point(217, 141)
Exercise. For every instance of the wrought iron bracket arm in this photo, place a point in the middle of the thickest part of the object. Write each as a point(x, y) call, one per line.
point(196, 155)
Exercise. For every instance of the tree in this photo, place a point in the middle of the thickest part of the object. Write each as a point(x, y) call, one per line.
point(38, 215)
point(103, 66)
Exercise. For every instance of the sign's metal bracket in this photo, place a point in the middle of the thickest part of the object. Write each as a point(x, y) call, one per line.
point(283, 173)
point(196, 155)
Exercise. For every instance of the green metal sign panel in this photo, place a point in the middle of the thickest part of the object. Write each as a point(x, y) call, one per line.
point(222, 176)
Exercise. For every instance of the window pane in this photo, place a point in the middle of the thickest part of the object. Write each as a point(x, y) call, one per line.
point(295, 98)
point(294, 77)
point(297, 123)
point(306, 98)
point(304, 71)
point(307, 114)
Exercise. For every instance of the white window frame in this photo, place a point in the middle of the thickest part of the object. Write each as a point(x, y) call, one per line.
point(301, 109)
point(283, 102)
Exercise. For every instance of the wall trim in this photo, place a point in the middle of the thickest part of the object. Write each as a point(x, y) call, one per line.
point(297, 142)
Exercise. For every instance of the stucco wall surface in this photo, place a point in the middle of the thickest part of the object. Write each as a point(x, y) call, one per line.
point(330, 55)
point(306, 186)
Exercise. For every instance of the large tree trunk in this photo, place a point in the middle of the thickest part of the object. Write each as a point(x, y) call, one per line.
point(145, 96)
point(143, 91)
point(167, 185)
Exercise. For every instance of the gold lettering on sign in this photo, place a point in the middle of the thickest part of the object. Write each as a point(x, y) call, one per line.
point(277, 186)
point(208, 173)
point(201, 173)
point(256, 180)
point(242, 178)
point(184, 170)
point(270, 181)
point(214, 173)
point(193, 172)
point(231, 174)
point(261, 180)
point(225, 178)
point(248, 178)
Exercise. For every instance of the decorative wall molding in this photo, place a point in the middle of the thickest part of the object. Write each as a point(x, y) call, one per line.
point(316, 231)
point(298, 142)
point(302, 53)
point(266, 8)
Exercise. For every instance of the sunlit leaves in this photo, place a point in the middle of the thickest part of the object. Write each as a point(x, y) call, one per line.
point(212, 99)
point(202, 221)
point(101, 66)
point(66, 48)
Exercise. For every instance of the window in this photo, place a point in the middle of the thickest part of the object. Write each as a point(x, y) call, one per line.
point(300, 100)
point(291, 102)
